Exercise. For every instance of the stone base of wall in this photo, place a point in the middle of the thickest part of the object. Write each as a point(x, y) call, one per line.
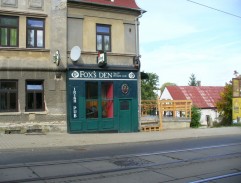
point(33, 127)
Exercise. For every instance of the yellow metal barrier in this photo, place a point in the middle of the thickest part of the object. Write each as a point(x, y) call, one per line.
point(164, 108)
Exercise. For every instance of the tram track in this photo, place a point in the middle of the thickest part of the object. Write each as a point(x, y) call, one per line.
point(125, 163)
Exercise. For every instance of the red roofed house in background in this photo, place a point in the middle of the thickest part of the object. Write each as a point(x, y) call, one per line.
point(203, 97)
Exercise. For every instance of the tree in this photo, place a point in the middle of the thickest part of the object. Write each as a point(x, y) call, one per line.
point(192, 81)
point(196, 116)
point(224, 105)
point(166, 84)
point(148, 87)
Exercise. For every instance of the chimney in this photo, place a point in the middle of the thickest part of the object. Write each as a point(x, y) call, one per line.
point(198, 83)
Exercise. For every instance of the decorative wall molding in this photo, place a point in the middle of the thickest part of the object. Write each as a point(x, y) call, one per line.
point(9, 3)
point(36, 4)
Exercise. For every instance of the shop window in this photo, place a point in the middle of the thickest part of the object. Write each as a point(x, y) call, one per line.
point(107, 99)
point(103, 37)
point(9, 31)
point(8, 96)
point(91, 99)
point(35, 33)
point(34, 96)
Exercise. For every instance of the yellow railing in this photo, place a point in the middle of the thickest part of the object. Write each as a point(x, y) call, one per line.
point(175, 108)
point(164, 108)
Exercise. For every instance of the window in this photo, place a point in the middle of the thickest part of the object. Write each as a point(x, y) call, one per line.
point(8, 96)
point(35, 33)
point(103, 37)
point(34, 96)
point(103, 102)
point(107, 99)
point(8, 31)
point(91, 95)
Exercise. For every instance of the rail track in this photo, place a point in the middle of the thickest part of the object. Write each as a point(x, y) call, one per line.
point(124, 163)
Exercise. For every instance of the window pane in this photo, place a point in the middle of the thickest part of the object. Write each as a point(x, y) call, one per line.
point(7, 21)
point(39, 99)
point(34, 87)
point(3, 101)
point(107, 90)
point(99, 42)
point(39, 38)
point(103, 29)
point(4, 36)
point(13, 37)
point(92, 109)
point(91, 90)
point(107, 43)
point(107, 109)
point(13, 100)
point(35, 23)
point(8, 85)
point(30, 99)
point(30, 40)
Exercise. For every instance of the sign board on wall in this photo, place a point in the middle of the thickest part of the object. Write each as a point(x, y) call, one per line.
point(236, 110)
point(236, 87)
point(102, 75)
point(236, 107)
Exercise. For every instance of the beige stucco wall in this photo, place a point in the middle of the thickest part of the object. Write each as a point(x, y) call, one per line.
point(93, 17)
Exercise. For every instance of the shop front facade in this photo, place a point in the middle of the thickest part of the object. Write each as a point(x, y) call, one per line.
point(102, 100)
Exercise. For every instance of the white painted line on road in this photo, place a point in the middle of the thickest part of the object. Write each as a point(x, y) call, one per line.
point(217, 177)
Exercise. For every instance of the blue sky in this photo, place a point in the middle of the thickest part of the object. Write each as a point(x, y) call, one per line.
point(178, 38)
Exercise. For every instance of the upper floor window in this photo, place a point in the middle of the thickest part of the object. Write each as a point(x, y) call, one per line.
point(9, 31)
point(35, 33)
point(103, 37)
point(8, 96)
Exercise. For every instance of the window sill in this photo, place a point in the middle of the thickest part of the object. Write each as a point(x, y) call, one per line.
point(24, 49)
point(10, 113)
point(36, 112)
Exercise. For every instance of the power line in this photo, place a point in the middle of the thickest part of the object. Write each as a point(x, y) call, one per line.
point(215, 9)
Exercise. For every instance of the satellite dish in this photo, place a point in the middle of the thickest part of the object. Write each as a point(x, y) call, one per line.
point(75, 53)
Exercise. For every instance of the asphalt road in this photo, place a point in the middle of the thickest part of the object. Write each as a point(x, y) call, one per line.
point(16, 156)
point(209, 159)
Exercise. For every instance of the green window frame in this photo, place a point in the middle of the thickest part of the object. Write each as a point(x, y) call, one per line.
point(35, 33)
point(8, 96)
point(9, 31)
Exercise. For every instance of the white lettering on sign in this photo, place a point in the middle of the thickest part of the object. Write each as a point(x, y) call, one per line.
point(84, 74)
point(74, 96)
point(75, 112)
point(105, 75)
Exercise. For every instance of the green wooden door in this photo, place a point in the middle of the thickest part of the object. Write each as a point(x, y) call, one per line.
point(125, 122)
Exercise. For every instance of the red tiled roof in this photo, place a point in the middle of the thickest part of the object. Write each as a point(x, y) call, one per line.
point(118, 3)
point(201, 96)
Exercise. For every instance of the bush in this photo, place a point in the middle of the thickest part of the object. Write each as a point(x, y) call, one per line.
point(196, 116)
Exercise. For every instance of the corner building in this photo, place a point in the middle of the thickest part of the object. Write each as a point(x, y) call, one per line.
point(45, 82)
point(103, 97)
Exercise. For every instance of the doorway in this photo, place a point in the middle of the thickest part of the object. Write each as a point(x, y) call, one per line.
point(125, 115)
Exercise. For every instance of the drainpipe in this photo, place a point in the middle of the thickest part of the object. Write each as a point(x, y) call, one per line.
point(137, 34)
point(139, 73)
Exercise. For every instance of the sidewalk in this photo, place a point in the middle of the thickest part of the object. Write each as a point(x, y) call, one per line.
point(18, 141)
